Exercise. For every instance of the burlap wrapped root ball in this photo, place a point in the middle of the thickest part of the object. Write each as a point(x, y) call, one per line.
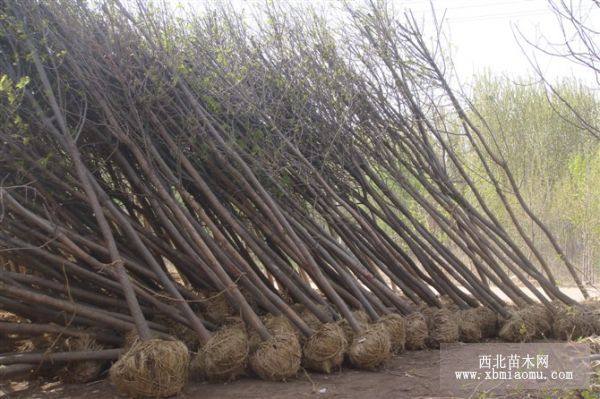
point(443, 329)
point(324, 350)
point(416, 331)
point(371, 348)
point(277, 358)
point(396, 328)
point(574, 322)
point(526, 324)
point(81, 371)
point(224, 357)
point(152, 368)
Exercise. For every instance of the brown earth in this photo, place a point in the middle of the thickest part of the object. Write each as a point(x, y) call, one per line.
point(409, 375)
point(412, 375)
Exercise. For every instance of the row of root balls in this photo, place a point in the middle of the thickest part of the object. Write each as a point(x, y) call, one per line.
point(161, 368)
point(234, 351)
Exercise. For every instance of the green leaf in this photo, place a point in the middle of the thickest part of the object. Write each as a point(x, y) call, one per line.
point(24, 81)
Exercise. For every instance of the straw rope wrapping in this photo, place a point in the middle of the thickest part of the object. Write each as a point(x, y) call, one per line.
point(372, 348)
point(277, 358)
point(396, 328)
point(324, 350)
point(224, 357)
point(152, 368)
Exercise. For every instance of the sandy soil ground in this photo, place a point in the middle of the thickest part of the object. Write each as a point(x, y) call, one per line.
point(410, 375)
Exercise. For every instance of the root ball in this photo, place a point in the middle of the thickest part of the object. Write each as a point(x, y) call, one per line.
point(155, 368)
point(310, 319)
point(396, 328)
point(469, 326)
point(371, 348)
point(278, 358)
point(574, 322)
point(488, 321)
point(444, 328)
point(448, 303)
point(324, 350)
point(224, 357)
point(416, 331)
point(217, 308)
point(363, 320)
point(276, 325)
point(526, 325)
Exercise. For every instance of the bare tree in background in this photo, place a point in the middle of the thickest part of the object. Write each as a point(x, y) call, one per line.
point(580, 43)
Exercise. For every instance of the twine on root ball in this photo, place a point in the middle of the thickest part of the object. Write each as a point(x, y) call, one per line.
point(180, 332)
point(217, 308)
point(361, 318)
point(277, 358)
point(469, 326)
point(276, 325)
point(224, 357)
point(310, 319)
point(428, 312)
point(448, 303)
point(396, 328)
point(371, 348)
point(444, 328)
point(151, 368)
point(81, 371)
point(324, 350)
point(416, 331)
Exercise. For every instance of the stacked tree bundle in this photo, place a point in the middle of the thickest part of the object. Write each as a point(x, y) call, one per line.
point(190, 190)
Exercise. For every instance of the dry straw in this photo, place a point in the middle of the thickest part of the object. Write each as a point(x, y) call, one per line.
point(277, 358)
point(152, 368)
point(469, 326)
point(416, 331)
point(224, 357)
point(593, 342)
point(444, 328)
point(81, 371)
point(573, 322)
point(527, 324)
point(216, 308)
point(363, 320)
point(275, 325)
point(396, 328)
point(371, 348)
point(324, 350)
